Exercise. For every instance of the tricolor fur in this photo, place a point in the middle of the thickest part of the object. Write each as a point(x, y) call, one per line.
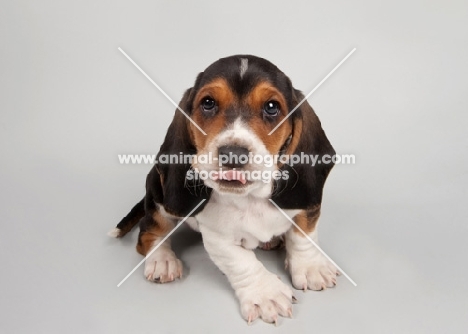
point(228, 102)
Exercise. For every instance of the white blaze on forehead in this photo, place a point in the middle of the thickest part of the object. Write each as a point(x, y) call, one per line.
point(243, 66)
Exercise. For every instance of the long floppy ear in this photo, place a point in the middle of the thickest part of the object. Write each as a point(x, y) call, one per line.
point(303, 189)
point(167, 182)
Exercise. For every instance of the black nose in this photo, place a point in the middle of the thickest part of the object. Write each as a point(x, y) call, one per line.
point(233, 156)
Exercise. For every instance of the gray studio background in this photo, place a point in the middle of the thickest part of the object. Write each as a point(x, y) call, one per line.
point(396, 221)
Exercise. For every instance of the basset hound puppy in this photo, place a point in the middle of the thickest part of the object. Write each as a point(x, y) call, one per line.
point(237, 101)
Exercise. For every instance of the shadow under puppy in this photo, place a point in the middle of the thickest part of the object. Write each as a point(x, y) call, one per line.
point(237, 101)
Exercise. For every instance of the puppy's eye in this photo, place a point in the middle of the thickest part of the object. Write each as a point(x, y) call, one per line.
point(208, 104)
point(271, 108)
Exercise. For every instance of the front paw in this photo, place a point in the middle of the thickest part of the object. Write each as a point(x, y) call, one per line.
point(266, 297)
point(163, 266)
point(315, 273)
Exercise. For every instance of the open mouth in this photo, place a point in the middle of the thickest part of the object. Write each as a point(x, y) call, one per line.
point(232, 179)
point(234, 183)
point(233, 186)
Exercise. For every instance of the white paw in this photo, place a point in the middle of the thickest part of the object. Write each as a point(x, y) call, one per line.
point(315, 273)
point(266, 297)
point(163, 266)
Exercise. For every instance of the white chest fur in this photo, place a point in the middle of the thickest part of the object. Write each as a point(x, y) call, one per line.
point(247, 219)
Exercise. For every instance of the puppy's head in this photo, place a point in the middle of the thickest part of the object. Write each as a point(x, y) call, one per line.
point(237, 101)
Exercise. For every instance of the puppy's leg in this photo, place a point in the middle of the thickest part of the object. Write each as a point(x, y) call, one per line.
point(308, 267)
point(162, 265)
point(261, 293)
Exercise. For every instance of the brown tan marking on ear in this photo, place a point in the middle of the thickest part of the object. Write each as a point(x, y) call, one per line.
point(220, 91)
point(159, 227)
point(260, 94)
point(307, 219)
point(296, 136)
point(161, 179)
